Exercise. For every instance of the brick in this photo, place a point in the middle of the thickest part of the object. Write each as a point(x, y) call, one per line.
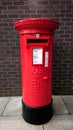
point(66, 11)
point(3, 16)
point(70, 6)
point(24, 7)
point(22, 16)
point(7, 3)
point(66, 1)
point(30, 11)
point(13, 16)
point(12, 7)
point(36, 15)
point(19, 3)
point(54, 2)
point(43, 2)
point(42, 11)
point(2, 7)
point(60, 15)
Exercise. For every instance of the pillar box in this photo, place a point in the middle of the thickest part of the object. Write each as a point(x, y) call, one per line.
point(36, 44)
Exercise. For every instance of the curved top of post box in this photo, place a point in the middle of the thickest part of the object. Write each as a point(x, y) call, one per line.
point(36, 24)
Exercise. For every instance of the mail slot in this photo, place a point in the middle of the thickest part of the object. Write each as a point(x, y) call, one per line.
point(36, 44)
point(37, 41)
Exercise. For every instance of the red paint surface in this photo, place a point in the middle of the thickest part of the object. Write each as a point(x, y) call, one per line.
point(36, 79)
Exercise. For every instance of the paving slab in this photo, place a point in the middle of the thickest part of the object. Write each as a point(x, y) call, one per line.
point(60, 122)
point(17, 123)
point(3, 103)
point(14, 107)
point(68, 101)
point(59, 106)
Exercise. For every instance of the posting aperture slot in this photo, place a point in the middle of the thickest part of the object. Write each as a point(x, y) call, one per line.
point(37, 41)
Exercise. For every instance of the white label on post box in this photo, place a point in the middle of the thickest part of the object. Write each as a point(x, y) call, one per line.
point(46, 59)
point(37, 35)
point(37, 56)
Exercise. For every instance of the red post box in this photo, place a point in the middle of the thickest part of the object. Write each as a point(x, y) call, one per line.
point(36, 43)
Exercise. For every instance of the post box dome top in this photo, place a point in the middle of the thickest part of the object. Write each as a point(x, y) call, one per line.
point(48, 24)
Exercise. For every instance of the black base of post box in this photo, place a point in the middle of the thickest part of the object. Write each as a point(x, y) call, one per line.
point(37, 115)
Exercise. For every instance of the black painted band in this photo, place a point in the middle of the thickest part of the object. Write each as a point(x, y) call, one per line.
point(37, 115)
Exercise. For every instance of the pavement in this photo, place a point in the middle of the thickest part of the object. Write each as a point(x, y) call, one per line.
point(11, 114)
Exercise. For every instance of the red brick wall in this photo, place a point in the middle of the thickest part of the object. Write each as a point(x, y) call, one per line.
point(10, 72)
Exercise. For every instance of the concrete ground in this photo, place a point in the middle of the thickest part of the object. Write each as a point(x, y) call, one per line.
point(11, 111)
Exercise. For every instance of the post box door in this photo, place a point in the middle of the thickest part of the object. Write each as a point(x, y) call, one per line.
point(41, 84)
